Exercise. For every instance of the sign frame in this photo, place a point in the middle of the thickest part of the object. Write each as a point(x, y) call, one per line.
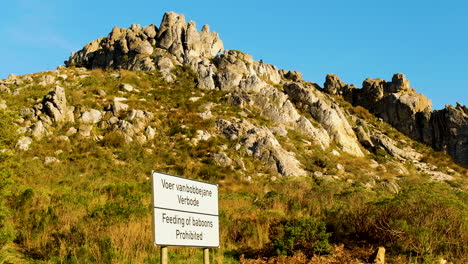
point(213, 212)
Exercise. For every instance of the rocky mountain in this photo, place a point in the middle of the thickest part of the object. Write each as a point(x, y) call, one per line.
point(411, 113)
point(174, 98)
point(252, 84)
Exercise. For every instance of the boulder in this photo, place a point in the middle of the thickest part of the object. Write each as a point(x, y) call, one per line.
point(206, 74)
point(38, 130)
point(372, 91)
point(92, 116)
point(85, 130)
point(165, 66)
point(55, 105)
point(294, 76)
point(150, 31)
point(200, 135)
point(333, 84)
point(139, 118)
point(47, 80)
point(222, 159)
point(118, 106)
point(233, 66)
point(49, 160)
point(144, 48)
point(71, 131)
point(126, 128)
point(126, 87)
point(399, 84)
point(318, 134)
point(23, 143)
point(201, 44)
point(275, 105)
point(150, 133)
point(171, 33)
point(267, 72)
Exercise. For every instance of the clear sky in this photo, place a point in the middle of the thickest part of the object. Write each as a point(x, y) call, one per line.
point(426, 40)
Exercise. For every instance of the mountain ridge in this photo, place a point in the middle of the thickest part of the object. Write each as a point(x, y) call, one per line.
point(177, 42)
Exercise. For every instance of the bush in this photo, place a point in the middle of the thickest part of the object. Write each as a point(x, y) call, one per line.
point(362, 112)
point(428, 221)
point(123, 201)
point(7, 139)
point(306, 235)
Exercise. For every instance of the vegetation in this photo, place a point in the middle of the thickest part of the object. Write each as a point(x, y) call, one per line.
point(300, 235)
point(94, 206)
point(7, 177)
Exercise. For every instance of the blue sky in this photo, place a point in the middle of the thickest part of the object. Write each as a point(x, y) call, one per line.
point(426, 40)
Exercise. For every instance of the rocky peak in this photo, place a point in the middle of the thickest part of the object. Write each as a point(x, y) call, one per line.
point(333, 84)
point(171, 34)
point(373, 90)
point(138, 48)
point(399, 84)
point(410, 112)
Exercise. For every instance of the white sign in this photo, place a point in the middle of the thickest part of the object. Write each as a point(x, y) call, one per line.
point(185, 212)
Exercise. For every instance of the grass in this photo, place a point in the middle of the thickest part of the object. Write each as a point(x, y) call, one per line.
point(94, 206)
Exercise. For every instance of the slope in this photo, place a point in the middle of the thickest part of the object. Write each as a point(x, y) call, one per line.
point(79, 144)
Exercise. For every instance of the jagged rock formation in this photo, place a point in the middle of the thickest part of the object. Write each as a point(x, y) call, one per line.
point(411, 113)
point(329, 115)
point(449, 132)
point(253, 86)
point(148, 48)
point(251, 82)
point(260, 143)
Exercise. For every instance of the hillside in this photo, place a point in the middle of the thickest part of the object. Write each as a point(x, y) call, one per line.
point(347, 167)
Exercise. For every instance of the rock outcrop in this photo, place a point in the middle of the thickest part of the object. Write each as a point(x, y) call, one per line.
point(55, 105)
point(331, 117)
point(449, 132)
point(148, 48)
point(411, 113)
point(260, 143)
point(277, 107)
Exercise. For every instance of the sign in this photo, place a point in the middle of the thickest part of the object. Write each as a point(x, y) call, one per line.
point(185, 212)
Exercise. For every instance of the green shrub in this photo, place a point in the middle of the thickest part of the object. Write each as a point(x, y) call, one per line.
point(115, 139)
point(306, 235)
point(7, 175)
point(428, 220)
point(124, 201)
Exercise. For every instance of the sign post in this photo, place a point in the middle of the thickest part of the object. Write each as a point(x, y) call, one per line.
point(185, 213)
point(206, 256)
point(163, 255)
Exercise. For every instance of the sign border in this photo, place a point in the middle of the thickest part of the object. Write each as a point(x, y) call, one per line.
point(155, 207)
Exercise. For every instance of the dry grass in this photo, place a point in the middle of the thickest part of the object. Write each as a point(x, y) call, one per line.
point(94, 206)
